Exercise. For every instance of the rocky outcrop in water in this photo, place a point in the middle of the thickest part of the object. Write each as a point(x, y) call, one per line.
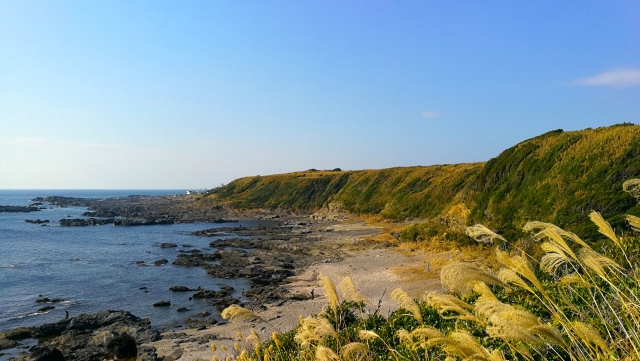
point(82, 338)
point(37, 221)
point(18, 209)
point(81, 222)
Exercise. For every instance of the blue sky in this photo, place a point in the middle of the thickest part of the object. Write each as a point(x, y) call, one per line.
point(159, 94)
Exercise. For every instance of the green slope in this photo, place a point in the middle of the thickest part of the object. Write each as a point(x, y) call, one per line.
point(395, 193)
point(557, 177)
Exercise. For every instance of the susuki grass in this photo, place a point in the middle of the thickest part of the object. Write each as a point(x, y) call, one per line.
point(567, 302)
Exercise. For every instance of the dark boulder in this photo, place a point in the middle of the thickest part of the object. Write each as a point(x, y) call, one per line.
point(82, 338)
point(46, 308)
point(48, 300)
point(180, 289)
point(161, 262)
point(200, 323)
point(162, 304)
point(168, 245)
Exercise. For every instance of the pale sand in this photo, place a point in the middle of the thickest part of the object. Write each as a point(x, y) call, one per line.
point(373, 272)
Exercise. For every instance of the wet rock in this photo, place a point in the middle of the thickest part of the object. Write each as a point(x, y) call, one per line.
point(209, 294)
point(182, 309)
point(46, 308)
point(161, 262)
point(101, 214)
point(174, 335)
point(168, 245)
point(47, 300)
point(189, 260)
point(82, 338)
point(300, 296)
point(18, 209)
point(162, 304)
point(180, 289)
point(200, 323)
point(37, 221)
point(7, 344)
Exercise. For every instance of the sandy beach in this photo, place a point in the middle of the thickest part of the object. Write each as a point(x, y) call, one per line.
point(376, 272)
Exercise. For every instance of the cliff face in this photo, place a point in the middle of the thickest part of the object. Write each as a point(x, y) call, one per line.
point(557, 177)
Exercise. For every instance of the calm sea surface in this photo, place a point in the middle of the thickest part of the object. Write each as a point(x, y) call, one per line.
point(94, 268)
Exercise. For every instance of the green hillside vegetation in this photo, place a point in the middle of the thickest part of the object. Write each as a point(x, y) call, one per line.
point(395, 193)
point(560, 177)
point(557, 177)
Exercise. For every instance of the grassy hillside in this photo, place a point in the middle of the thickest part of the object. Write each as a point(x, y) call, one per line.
point(395, 193)
point(557, 177)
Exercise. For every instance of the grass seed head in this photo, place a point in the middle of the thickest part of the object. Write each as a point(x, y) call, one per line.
point(404, 301)
point(276, 339)
point(366, 335)
point(349, 292)
point(354, 351)
point(235, 312)
point(330, 291)
point(326, 354)
point(483, 234)
point(589, 335)
point(459, 277)
point(604, 227)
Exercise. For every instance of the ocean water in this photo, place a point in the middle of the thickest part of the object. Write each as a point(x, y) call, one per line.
point(94, 268)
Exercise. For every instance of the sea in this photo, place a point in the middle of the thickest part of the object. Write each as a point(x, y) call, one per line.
point(97, 267)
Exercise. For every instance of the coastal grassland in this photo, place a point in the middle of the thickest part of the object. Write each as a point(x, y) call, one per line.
point(557, 177)
point(570, 303)
point(395, 193)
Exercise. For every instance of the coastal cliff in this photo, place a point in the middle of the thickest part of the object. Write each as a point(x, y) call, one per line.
point(557, 177)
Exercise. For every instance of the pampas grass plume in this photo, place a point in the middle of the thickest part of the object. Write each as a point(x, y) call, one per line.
point(404, 301)
point(459, 277)
point(349, 292)
point(604, 227)
point(276, 339)
point(235, 312)
point(367, 335)
point(354, 351)
point(330, 290)
point(326, 354)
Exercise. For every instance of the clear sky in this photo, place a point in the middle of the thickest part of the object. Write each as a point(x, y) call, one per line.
point(192, 94)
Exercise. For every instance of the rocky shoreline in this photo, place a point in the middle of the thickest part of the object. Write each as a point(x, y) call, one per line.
point(82, 338)
point(268, 256)
point(141, 210)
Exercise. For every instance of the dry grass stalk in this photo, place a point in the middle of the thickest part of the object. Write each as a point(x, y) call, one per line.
point(313, 331)
point(460, 277)
point(349, 292)
point(326, 354)
point(235, 312)
point(355, 351)
point(404, 301)
point(449, 303)
point(604, 227)
point(522, 267)
point(483, 234)
point(329, 290)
